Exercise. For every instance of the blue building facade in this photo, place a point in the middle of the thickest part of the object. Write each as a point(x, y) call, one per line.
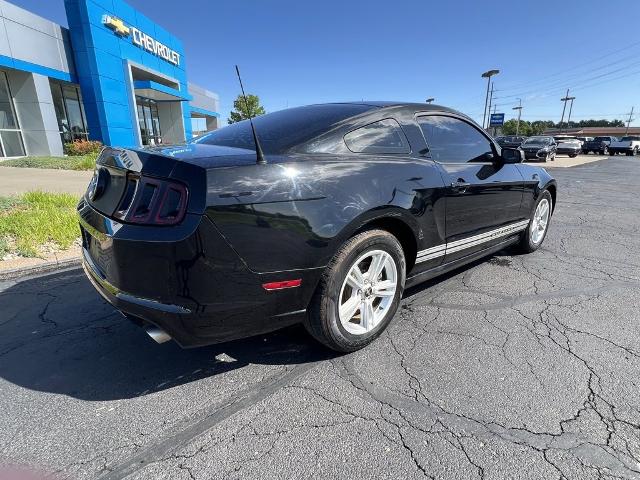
point(114, 76)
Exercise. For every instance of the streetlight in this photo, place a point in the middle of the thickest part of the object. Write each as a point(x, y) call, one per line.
point(488, 74)
point(519, 108)
point(429, 100)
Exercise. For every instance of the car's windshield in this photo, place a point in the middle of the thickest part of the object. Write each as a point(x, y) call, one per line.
point(628, 139)
point(537, 141)
point(601, 139)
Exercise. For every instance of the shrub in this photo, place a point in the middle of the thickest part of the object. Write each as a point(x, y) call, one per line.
point(82, 147)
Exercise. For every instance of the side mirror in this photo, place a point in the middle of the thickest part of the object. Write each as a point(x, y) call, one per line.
point(512, 155)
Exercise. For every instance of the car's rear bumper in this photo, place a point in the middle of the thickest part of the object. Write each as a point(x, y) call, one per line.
point(193, 287)
point(568, 151)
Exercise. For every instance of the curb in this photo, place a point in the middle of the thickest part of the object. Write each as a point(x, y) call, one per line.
point(41, 269)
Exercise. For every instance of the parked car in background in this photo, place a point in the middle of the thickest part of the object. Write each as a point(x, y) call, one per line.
point(598, 145)
point(568, 146)
point(540, 147)
point(584, 139)
point(629, 145)
point(343, 207)
point(510, 141)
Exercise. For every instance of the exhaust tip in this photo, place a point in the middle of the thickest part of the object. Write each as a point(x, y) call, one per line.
point(158, 335)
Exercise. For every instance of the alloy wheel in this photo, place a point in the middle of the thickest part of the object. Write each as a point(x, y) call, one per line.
point(368, 292)
point(540, 221)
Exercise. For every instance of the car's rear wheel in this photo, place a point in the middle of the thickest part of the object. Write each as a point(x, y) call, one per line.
point(534, 235)
point(605, 151)
point(359, 292)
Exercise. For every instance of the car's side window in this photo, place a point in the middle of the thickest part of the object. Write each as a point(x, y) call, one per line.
point(384, 136)
point(452, 140)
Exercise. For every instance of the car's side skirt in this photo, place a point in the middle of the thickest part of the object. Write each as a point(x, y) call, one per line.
point(434, 272)
point(458, 245)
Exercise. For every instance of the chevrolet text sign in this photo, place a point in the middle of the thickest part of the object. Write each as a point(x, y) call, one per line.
point(141, 39)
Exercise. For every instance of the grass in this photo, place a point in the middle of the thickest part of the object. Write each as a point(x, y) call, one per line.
point(34, 219)
point(84, 162)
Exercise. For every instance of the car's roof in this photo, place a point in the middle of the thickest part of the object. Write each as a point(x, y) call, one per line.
point(408, 105)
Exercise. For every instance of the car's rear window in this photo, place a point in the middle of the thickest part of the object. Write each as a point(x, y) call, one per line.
point(285, 129)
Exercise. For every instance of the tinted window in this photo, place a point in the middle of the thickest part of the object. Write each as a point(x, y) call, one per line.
point(283, 130)
point(453, 141)
point(384, 136)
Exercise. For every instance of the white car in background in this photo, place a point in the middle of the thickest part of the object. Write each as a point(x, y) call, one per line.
point(568, 146)
point(629, 145)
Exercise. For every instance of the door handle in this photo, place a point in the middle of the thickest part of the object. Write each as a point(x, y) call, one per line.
point(460, 185)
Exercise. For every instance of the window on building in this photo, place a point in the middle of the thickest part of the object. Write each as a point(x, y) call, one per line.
point(198, 126)
point(384, 136)
point(452, 140)
point(67, 101)
point(149, 121)
point(10, 136)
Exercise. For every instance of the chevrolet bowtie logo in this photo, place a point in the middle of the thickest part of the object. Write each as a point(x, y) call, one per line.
point(116, 25)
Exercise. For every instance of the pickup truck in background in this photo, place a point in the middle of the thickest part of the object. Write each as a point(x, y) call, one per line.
point(598, 145)
point(629, 145)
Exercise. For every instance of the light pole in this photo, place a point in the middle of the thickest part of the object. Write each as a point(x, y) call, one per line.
point(488, 74)
point(519, 108)
point(429, 100)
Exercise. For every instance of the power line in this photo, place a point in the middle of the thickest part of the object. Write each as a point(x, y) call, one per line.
point(578, 66)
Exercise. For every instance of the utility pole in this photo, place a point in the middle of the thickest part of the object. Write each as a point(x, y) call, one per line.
point(429, 100)
point(629, 122)
point(571, 99)
point(490, 102)
point(488, 74)
point(565, 100)
point(519, 108)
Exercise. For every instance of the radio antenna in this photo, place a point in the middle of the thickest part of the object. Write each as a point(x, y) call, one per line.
point(259, 153)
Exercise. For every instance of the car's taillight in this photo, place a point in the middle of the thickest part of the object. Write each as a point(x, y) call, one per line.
point(152, 201)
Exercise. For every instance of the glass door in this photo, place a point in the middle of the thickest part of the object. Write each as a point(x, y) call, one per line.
point(149, 121)
point(10, 136)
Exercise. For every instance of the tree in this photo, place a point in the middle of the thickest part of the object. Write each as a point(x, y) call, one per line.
point(240, 110)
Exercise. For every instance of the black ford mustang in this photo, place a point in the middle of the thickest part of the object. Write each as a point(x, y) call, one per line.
point(355, 202)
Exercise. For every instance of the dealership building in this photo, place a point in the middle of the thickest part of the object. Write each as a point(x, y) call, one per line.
point(113, 76)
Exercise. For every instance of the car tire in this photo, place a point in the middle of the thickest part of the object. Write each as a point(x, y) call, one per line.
point(532, 237)
point(573, 155)
point(337, 296)
point(605, 151)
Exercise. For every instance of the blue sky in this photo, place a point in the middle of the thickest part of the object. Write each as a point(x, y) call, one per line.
point(298, 52)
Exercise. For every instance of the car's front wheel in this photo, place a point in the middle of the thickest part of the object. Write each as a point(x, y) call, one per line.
point(534, 235)
point(359, 292)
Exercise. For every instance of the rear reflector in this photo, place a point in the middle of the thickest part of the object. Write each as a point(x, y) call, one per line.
point(281, 285)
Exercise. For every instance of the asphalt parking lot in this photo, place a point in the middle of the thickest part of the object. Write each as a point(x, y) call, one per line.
point(514, 367)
